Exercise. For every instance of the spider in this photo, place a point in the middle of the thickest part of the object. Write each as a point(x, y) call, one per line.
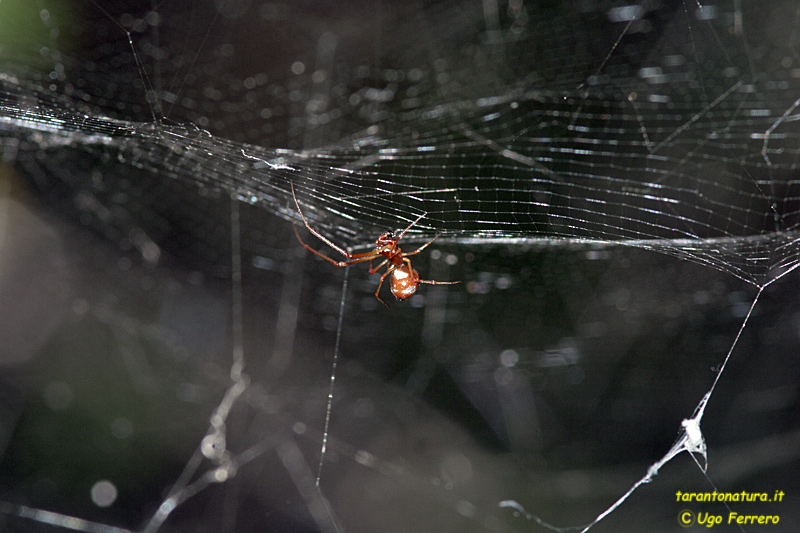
point(404, 281)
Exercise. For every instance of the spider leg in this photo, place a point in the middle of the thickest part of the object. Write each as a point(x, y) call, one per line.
point(373, 270)
point(410, 226)
point(357, 258)
point(380, 283)
point(418, 250)
point(431, 282)
point(322, 238)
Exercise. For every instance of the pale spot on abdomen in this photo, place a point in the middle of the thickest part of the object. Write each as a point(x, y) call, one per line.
point(405, 281)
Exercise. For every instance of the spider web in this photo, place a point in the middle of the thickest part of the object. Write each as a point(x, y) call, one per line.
point(551, 149)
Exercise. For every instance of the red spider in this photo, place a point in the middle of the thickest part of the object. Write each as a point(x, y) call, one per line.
point(405, 279)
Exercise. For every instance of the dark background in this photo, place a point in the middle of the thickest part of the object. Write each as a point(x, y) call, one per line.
point(605, 273)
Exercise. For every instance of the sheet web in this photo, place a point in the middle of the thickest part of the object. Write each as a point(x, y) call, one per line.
point(592, 162)
point(542, 145)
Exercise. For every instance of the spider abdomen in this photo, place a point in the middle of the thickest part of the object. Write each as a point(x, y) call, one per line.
point(405, 281)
